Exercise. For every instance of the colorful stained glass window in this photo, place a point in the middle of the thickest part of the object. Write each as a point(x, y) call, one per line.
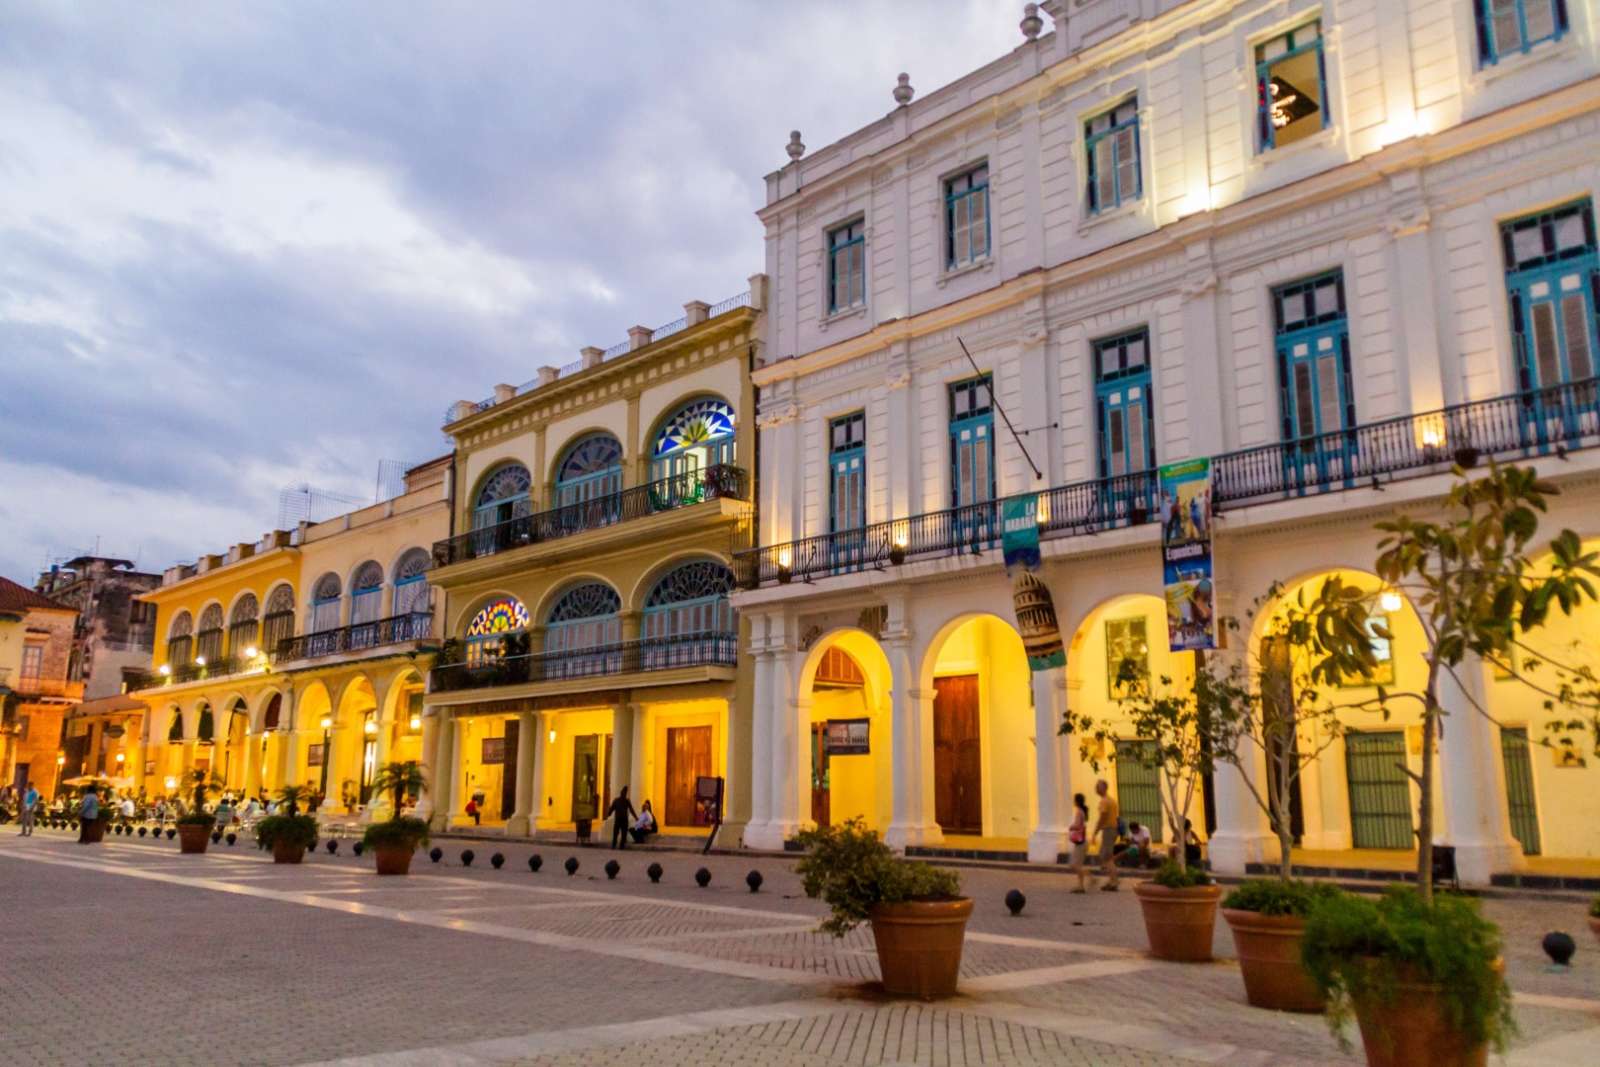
point(698, 435)
point(499, 617)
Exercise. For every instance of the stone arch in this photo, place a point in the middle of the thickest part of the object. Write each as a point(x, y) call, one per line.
point(594, 453)
point(634, 598)
point(693, 413)
point(841, 787)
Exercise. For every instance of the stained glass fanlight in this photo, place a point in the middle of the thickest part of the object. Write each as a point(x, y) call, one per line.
point(698, 435)
point(503, 496)
point(591, 468)
point(502, 616)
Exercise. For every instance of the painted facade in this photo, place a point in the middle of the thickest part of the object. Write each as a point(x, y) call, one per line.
point(115, 629)
point(1327, 245)
point(36, 689)
point(591, 642)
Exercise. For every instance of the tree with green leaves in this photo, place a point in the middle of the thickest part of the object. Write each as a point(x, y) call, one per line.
point(399, 780)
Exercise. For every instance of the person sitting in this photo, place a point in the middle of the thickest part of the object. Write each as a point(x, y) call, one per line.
point(644, 825)
point(1191, 845)
point(1137, 852)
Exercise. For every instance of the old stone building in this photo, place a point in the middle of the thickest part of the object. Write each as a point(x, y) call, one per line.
point(115, 629)
point(35, 691)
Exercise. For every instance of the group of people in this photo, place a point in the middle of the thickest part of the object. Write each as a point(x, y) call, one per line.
point(626, 823)
point(1119, 844)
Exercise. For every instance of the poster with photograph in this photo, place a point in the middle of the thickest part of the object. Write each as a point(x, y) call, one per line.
point(1036, 609)
point(1186, 555)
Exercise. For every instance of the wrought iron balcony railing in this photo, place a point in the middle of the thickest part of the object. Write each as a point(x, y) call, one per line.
point(413, 626)
point(1538, 422)
point(183, 672)
point(655, 654)
point(666, 494)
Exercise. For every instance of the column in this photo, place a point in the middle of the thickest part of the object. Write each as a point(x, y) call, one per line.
point(622, 752)
point(442, 772)
point(1416, 308)
point(758, 832)
point(429, 762)
point(1244, 834)
point(911, 724)
point(787, 750)
point(1053, 758)
point(539, 752)
point(520, 822)
point(252, 766)
point(1472, 779)
point(1202, 387)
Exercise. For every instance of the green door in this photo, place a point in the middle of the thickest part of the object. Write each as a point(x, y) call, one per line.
point(1519, 788)
point(1138, 786)
point(1380, 792)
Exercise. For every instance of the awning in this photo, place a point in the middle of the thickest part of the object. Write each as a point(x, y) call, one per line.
point(108, 705)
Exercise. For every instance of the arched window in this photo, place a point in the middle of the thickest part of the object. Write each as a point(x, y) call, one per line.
point(591, 468)
point(277, 624)
point(325, 604)
point(242, 625)
point(486, 633)
point(175, 728)
point(411, 595)
point(585, 617)
point(208, 641)
point(690, 599)
point(366, 593)
point(698, 435)
point(180, 639)
point(504, 496)
point(269, 718)
point(207, 729)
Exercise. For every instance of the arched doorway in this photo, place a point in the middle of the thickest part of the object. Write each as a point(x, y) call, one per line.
point(232, 747)
point(354, 745)
point(313, 727)
point(848, 758)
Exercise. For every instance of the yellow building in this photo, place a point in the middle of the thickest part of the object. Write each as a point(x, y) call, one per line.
point(298, 659)
point(591, 643)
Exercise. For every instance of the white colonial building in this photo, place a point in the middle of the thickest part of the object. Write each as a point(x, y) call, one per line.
point(1330, 245)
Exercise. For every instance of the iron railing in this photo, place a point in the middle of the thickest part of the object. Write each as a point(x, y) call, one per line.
point(665, 494)
point(183, 672)
point(413, 626)
point(714, 649)
point(1538, 422)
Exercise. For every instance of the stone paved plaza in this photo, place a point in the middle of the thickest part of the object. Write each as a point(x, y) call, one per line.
point(131, 953)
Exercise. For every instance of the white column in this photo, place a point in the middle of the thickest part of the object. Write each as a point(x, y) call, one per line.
point(1243, 833)
point(911, 723)
point(622, 752)
point(539, 753)
point(429, 763)
point(787, 750)
point(1413, 291)
point(1472, 779)
point(444, 769)
point(758, 833)
point(527, 741)
point(1053, 759)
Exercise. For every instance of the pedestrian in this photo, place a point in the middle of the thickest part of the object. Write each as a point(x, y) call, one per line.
point(127, 808)
point(473, 812)
point(1105, 828)
point(88, 813)
point(622, 814)
point(1078, 835)
point(1137, 854)
point(30, 805)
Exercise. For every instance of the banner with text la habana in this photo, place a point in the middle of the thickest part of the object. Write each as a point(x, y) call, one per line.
point(1186, 555)
point(1036, 610)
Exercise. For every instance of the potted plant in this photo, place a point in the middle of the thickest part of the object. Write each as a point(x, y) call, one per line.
point(1268, 920)
point(394, 840)
point(1594, 918)
point(289, 834)
point(195, 825)
point(917, 912)
point(1423, 978)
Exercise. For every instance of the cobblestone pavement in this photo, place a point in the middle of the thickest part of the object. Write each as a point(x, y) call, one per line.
point(131, 953)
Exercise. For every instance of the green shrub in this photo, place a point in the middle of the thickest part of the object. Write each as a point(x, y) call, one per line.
point(403, 832)
point(1594, 908)
point(853, 872)
point(1277, 896)
point(1172, 876)
point(298, 830)
point(1358, 949)
point(198, 818)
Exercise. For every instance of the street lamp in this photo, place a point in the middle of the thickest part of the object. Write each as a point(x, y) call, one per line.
point(327, 728)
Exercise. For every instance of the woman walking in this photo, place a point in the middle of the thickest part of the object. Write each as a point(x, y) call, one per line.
point(1078, 835)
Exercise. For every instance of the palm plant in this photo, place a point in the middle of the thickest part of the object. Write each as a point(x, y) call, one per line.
point(202, 783)
point(399, 779)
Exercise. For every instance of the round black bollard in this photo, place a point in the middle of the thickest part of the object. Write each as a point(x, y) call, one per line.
point(231, 838)
point(571, 865)
point(436, 853)
point(172, 832)
point(73, 825)
point(1559, 947)
point(535, 861)
point(358, 848)
point(1015, 901)
point(702, 877)
point(216, 837)
point(612, 867)
point(467, 856)
point(141, 831)
point(753, 880)
point(654, 871)
point(497, 861)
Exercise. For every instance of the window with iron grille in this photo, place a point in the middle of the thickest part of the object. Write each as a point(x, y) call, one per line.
point(1111, 147)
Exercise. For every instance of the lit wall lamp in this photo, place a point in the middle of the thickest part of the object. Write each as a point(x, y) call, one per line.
point(171, 783)
point(552, 737)
point(784, 573)
point(416, 722)
point(199, 661)
point(370, 727)
point(165, 669)
point(1389, 601)
point(251, 652)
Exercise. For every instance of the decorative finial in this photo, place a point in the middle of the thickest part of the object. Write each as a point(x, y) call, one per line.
point(796, 148)
point(1031, 22)
point(903, 91)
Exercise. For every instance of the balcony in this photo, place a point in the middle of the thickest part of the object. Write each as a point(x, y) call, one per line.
point(628, 657)
point(667, 494)
point(186, 672)
point(357, 637)
point(1518, 426)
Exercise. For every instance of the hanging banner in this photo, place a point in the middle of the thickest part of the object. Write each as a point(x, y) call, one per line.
point(1186, 555)
point(1036, 610)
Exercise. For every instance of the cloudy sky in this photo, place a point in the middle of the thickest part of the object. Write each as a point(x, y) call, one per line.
point(249, 245)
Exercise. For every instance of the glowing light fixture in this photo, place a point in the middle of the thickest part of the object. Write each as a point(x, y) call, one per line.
point(121, 758)
point(1389, 600)
point(251, 652)
point(171, 783)
point(370, 727)
point(166, 669)
point(416, 722)
point(552, 737)
point(199, 661)
point(327, 723)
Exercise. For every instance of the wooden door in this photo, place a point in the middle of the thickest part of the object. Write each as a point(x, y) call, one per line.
point(957, 755)
point(688, 757)
point(508, 772)
point(585, 777)
point(819, 773)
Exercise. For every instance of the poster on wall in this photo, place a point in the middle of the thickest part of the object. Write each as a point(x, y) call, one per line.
point(1036, 610)
point(849, 737)
point(494, 750)
point(313, 755)
point(1186, 555)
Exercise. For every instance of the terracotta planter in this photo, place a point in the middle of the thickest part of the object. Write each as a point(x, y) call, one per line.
point(1594, 926)
point(1409, 1029)
point(288, 852)
point(193, 837)
point(94, 831)
point(1269, 960)
point(919, 946)
point(394, 859)
point(1180, 923)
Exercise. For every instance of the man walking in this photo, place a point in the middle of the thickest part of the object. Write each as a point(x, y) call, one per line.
point(1105, 827)
point(30, 804)
point(622, 814)
point(88, 815)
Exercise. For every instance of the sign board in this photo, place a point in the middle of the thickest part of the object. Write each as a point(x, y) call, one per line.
point(849, 737)
point(707, 801)
point(1030, 597)
point(1186, 555)
point(313, 755)
point(494, 750)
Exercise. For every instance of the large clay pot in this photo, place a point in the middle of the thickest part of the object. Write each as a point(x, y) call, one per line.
point(1269, 960)
point(394, 859)
point(193, 836)
point(1594, 926)
point(1180, 923)
point(1409, 1029)
point(288, 852)
point(919, 946)
point(94, 830)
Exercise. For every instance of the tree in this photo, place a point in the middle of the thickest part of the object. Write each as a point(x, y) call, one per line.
point(399, 779)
